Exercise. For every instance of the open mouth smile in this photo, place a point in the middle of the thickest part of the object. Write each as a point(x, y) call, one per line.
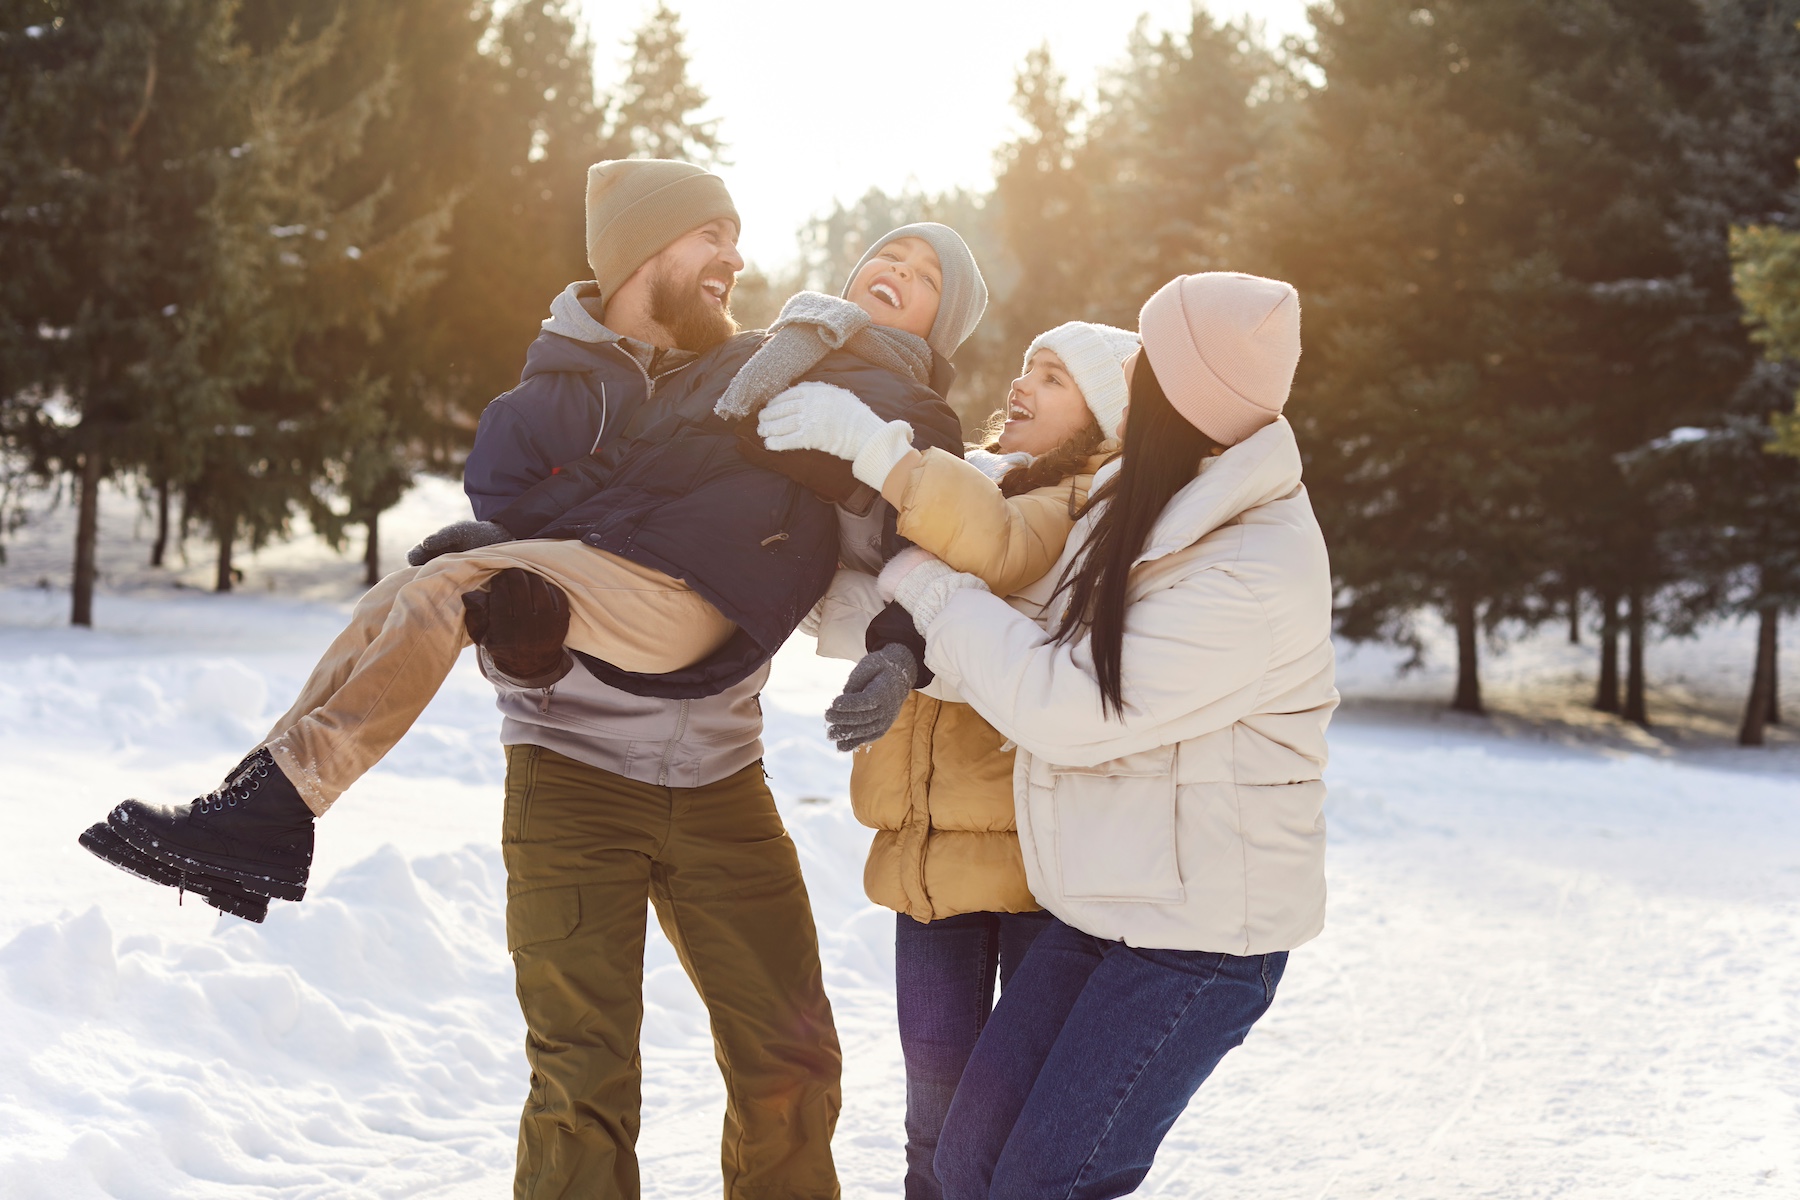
point(1018, 412)
point(716, 289)
point(885, 292)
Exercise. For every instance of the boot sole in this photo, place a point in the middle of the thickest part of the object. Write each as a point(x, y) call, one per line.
point(100, 841)
point(252, 876)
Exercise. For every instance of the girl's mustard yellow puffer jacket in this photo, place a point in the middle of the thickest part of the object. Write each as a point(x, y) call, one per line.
point(937, 788)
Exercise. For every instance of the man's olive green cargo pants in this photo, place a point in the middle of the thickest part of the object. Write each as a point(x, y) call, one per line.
point(584, 850)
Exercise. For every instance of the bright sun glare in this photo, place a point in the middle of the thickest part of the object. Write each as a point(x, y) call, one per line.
point(819, 102)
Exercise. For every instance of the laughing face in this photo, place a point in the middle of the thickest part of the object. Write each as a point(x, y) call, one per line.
point(901, 286)
point(690, 286)
point(1044, 408)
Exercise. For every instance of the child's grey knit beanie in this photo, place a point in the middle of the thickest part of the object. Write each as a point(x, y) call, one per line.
point(965, 294)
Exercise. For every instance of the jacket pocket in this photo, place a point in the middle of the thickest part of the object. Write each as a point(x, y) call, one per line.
point(543, 915)
point(783, 515)
point(1115, 829)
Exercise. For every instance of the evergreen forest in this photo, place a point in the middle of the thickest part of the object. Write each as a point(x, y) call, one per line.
point(268, 259)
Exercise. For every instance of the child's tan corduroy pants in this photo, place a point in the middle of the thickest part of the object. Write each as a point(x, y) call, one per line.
point(406, 632)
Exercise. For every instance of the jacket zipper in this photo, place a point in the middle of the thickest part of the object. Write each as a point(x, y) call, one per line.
point(681, 718)
point(787, 518)
point(649, 384)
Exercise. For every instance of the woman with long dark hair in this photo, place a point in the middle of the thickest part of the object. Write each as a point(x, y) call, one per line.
point(936, 780)
point(1169, 693)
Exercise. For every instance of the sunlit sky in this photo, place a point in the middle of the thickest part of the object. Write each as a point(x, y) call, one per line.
point(820, 100)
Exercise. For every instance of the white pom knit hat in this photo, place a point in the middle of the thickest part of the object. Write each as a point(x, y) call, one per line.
point(1095, 355)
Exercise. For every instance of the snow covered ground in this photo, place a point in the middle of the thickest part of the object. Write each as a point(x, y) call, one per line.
point(1560, 961)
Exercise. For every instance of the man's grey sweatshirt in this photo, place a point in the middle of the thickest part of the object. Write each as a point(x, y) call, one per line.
point(669, 743)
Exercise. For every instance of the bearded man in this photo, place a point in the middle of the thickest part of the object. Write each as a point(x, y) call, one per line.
point(614, 799)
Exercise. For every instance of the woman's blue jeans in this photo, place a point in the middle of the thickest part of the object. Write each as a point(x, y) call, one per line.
point(1093, 1052)
point(944, 990)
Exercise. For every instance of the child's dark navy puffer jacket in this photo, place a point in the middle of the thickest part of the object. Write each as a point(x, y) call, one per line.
point(676, 492)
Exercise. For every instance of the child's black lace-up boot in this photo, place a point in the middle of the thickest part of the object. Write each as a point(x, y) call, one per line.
point(253, 830)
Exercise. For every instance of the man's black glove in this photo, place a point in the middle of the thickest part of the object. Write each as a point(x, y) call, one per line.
point(877, 687)
point(521, 620)
point(452, 539)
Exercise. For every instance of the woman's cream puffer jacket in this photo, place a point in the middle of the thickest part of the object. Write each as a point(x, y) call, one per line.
point(1194, 820)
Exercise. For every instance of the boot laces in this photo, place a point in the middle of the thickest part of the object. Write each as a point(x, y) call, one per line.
point(237, 789)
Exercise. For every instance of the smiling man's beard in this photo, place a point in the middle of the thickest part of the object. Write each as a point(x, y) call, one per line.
point(682, 308)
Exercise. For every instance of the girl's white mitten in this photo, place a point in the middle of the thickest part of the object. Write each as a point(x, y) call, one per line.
point(922, 584)
point(823, 416)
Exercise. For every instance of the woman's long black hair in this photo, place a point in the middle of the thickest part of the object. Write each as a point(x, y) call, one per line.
point(1162, 455)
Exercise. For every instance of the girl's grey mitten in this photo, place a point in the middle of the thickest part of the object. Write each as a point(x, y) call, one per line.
point(877, 687)
point(463, 535)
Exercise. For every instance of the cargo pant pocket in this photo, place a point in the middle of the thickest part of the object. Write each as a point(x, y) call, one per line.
point(542, 915)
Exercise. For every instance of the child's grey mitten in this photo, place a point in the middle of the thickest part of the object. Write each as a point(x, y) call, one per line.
point(877, 687)
point(463, 535)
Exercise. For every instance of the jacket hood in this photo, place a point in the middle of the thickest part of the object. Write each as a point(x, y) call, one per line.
point(571, 339)
point(570, 317)
point(1259, 470)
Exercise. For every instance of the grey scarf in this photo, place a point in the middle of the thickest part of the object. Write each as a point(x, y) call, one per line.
point(812, 325)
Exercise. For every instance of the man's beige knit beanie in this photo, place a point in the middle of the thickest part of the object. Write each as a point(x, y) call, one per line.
point(637, 206)
point(1224, 347)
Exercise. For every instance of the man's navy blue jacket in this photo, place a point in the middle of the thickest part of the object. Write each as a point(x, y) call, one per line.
point(666, 483)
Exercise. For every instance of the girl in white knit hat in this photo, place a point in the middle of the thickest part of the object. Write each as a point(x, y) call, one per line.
point(937, 788)
point(1168, 685)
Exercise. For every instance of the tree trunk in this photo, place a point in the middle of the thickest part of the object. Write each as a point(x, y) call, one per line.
point(161, 544)
point(227, 535)
point(1762, 680)
point(372, 551)
point(1634, 709)
point(87, 531)
point(1606, 696)
point(183, 521)
point(1774, 717)
point(1468, 661)
point(1574, 616)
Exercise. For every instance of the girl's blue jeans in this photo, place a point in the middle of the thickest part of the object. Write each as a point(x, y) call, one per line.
point(944, 975)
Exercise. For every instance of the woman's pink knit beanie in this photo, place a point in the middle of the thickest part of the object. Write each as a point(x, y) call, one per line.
point(1224, 347)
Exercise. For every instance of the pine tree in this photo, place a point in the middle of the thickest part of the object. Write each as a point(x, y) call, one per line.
point(1407, 214)
point(1180, 130)
point(301, 276)
point(420, 153)
point(1735, 512)
point(1483, 218)
point(1045, 196)
point(520, 232)
point(656, 105)
point(518, 239)
point(289, 335)
point(114, 120)
point(1728, 508)
point(1631, 370)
